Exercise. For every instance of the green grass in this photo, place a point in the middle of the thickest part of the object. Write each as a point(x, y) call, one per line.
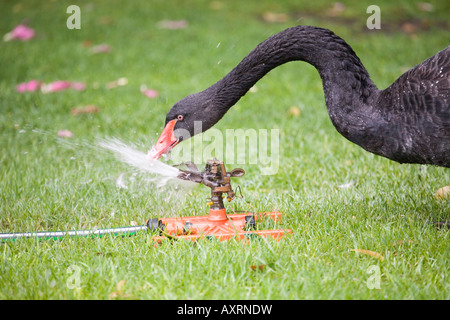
point(50, 184)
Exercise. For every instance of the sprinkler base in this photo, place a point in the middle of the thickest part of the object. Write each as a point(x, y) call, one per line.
point(217, 225)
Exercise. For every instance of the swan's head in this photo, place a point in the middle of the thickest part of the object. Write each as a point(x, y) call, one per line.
point(189, 116)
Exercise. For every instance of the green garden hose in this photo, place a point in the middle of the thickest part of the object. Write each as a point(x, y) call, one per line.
point(152, 225)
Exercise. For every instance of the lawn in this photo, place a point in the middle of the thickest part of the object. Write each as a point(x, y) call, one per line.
point(335, 197)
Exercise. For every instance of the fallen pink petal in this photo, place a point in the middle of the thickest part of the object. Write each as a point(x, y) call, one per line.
point(151, 93)
point(34, 85)
point(101, 48)
point(62, 85)
point(21, 87)
point(80, 86)
point(65, 134)
point(29, 86)
point(55, 86)
point(21, 32)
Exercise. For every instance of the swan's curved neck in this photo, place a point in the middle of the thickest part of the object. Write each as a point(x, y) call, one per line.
point(344, 77)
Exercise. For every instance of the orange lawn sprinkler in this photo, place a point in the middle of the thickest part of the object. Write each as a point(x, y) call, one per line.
point(217, 224)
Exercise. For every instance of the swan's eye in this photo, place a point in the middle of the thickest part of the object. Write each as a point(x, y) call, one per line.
point(180, 117)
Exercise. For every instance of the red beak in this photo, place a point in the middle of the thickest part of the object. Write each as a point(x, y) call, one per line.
point(165, 142)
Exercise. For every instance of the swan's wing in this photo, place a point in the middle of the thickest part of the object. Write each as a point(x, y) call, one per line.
point(417, 108)
point(429, 80)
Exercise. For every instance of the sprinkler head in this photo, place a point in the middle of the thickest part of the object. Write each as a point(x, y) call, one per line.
point(215, 177)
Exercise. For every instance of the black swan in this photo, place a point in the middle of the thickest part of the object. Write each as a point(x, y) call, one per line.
point(409, 122)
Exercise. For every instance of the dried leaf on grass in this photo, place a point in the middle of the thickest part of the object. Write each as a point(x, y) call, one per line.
point(370, 253)
point(119, 293)
point(117, 83)
point(272, 17)
point(408, 28)
point(336, 10)
point(261, 267)
point(294, 111)
point(443, 193)
point(86, 109)
point(173, 24)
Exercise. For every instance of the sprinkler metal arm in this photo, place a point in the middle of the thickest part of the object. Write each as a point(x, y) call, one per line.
point(215, 177)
